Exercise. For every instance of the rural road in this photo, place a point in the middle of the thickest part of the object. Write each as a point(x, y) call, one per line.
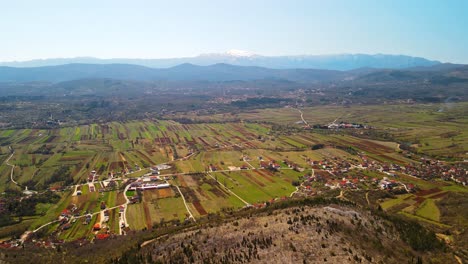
point(341, 196)
point(302, 117)
point(26, 234)
point(12, 168)
point(246, 203)
point(367, 198)
point(127, 201)
point(297, 188)
point(75, 190)
point(185, 203)
point(248, 163)
point(124, 213)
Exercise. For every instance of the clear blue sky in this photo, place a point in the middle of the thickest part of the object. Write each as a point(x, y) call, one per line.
point(435, 29)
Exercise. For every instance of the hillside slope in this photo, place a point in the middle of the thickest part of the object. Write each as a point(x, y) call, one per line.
point(299, 231)
point(329, 234)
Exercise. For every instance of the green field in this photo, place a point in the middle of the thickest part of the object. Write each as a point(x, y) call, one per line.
point(429, 210)
point(214, 152)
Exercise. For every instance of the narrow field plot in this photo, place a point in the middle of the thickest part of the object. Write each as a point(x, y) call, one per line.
point(215, 197)
point(254, 187)
point(136, 216)
point(78, 230)
point(113, 223)
point(111, 200)
point(424, 219)
point(167, 209)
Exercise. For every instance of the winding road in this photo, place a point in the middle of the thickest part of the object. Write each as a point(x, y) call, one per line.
point(12, 168)
point(302, 117)
point(123, 219)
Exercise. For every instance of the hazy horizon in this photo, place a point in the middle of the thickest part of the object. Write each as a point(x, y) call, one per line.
point(156, 29)
point(212, 53)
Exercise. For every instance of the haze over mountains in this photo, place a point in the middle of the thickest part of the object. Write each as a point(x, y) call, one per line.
point(238, 65)
point(225, 72)
point(341, 62)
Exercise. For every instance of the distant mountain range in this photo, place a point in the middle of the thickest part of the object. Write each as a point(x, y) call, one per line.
point(220, 72)
point(342, 62)
point(183, 72)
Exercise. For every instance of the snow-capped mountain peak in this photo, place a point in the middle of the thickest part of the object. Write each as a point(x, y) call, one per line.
point(239, 53)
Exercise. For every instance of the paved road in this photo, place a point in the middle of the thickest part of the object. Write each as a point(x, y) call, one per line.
point(124, 213)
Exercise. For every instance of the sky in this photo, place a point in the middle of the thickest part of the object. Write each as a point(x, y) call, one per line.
point(434, 29)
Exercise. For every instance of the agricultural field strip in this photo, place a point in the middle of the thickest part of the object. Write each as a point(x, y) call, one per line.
point(225, 146)
point(81, 216)
point(246, 203)
point(185, 203)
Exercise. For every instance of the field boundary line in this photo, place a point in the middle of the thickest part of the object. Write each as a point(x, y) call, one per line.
point(246, 203)
point(185, 203)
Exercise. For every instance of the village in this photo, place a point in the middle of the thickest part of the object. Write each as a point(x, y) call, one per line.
point(98, 221)
point(336, 173)
point(318, 176)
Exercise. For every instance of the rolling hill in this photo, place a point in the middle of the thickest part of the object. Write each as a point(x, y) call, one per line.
point(183, 72)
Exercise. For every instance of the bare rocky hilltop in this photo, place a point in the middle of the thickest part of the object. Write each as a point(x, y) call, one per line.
point(302, 234)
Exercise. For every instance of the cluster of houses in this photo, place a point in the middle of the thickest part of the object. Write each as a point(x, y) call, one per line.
point(334, 166)
point(12, 243)
point(293, 165)
point(333, 173)
point(148, 186)
point(16, 243)
point(108, 186)
point(88, 219)
point(92, 176)
point(212, 167)
point(430, 169)
point(67, 217)
point(427, 169)
point(260, 205)
point(275, 166)
point(342, 125)
point(272, 165)
point(148, 183)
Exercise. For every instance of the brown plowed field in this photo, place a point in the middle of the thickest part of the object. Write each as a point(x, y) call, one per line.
point(199, 208)
point(428, 192)
point(149, 224)
point(164, 193)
